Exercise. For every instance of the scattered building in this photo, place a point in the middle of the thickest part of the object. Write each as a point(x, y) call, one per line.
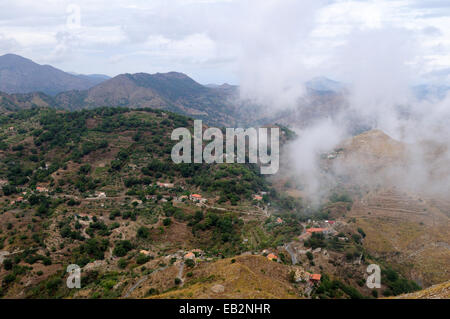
point(257, 197)
point(272, 257)
point(332, 155)
point(330, 222)
point(316, 230)
point(197, 198)
point(145, 252)
point(279, 220)
point(301, 275)
point(42, 189)
point(189, 255)
point(315, 277)
point(101, 195)
point(165, 185)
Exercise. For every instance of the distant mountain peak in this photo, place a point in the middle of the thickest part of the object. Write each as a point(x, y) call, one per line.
point(22, 75)
point(324, 84)
point(174, 74)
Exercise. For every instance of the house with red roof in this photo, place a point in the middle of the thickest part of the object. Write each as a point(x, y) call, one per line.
point(197, 198)
point(257, 197)
point(316, 230)
point(272, 257)
point(189, 255)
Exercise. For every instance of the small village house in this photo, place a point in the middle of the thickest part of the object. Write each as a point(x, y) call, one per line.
point(165, 185)
point(145, 252)
point(272, 256)
point(101, 195)
point(315, 230)
point(189, 255)
point(315, 278)
point(197, 198)
point(257, 197)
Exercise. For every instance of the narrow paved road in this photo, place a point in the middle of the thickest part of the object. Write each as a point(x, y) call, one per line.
point(180, 273)
point(3, 254)
point(292, 253)
point(140, 281)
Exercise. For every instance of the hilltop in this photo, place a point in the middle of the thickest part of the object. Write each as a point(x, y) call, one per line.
point(170, 91)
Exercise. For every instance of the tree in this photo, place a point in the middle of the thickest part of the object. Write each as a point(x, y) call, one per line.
point(143, 232)
point(7, 264)
point(361, 231)
point(122, 263)
point(292, 276)
point(9, 190)
point(122, 248)
point(190, 263)
point(142, 259)
point(9, 278)
point(198, 216)
point(167, 221)
point(309, 255)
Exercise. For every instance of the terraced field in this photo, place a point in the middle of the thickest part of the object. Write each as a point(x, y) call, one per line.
point(412, 231)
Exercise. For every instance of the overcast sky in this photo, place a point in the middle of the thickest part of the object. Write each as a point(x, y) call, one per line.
point(217, 41)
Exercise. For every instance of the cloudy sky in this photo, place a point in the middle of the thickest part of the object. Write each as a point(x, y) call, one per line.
point(217, 41)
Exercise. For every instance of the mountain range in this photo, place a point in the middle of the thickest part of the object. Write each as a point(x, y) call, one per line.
point(25, 84)
point(21, 75)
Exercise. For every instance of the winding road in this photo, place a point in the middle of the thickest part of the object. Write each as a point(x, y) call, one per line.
point(291, 252)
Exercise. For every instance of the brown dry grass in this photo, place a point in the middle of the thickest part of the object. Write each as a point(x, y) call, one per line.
point(248, 277)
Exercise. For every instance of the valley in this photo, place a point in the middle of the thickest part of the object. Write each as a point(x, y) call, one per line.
point(95, 188)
